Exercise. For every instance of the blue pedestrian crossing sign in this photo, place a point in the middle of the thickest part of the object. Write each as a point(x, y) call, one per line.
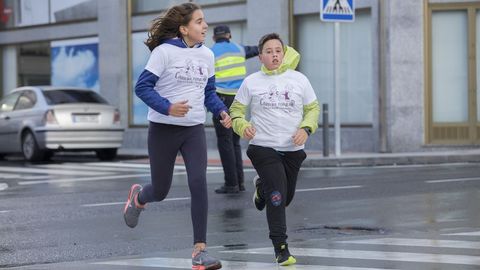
point(337, 10)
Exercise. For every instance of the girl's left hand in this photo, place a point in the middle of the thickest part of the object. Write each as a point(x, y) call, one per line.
point(300, 137)
point(226, 120)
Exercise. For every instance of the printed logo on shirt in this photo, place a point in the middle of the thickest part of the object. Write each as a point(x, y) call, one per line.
point(192, 74)
point(278, 99)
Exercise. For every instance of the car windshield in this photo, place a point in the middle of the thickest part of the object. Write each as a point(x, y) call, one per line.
point(54, 97)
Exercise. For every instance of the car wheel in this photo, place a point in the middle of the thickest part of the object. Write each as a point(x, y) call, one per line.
point(106, 154)
point(30, 149)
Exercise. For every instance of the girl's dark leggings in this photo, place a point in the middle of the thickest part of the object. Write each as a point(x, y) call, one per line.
point(164, 142)
point(278, 172)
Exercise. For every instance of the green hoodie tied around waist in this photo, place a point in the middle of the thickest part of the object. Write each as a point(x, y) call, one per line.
point(311, 111)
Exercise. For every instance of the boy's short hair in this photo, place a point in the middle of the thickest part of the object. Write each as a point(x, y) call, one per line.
point(266, 38)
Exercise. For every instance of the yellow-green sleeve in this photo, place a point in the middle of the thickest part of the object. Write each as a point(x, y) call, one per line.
point(237, 113)
point(311, 112)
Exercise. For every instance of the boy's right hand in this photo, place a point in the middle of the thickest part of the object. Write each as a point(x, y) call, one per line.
point(179, 109)
point(249, 133)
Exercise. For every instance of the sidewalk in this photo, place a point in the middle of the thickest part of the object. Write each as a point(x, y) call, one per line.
point(316, 159)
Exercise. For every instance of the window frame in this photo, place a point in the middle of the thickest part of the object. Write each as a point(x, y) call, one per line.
point(460, 133)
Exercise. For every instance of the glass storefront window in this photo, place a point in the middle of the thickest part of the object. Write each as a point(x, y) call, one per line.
point(449, 66)
point(315, 44)
point(7, 14)
point(20, 13)
point(140, 54)
point(144, 6)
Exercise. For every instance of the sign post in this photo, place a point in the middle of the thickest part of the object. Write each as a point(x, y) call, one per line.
point(337, 11)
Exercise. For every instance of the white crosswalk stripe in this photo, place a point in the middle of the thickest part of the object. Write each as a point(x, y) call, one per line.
point(418, 243)
point(3, 186)
point(177, 263)
point(373, 255)
point(371, 251)
point(25, 170)
point(111, 169)
point(9, 175)
point(476, 233)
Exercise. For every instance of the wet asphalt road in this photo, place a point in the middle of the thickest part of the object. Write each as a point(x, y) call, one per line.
point(67, 214)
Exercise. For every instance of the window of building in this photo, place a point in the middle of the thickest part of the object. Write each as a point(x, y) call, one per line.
point(144, 6)
point(19, 13)
point(453, 73)
point(34, 64)
point(315, 44)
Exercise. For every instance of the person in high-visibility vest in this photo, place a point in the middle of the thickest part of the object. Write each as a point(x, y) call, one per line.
point(230, 71)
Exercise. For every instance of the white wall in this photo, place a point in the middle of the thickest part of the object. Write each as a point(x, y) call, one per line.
point(9, 67)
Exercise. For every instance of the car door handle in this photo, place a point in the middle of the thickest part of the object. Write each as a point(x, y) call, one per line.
point(5, 117)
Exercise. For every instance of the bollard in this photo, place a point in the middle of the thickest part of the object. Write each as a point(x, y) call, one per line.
point(326, 144)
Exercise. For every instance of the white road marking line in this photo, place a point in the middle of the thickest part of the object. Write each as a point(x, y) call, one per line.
point(142, 166)
point(9, 176)
point(4, 211)
point(372, 255)
point(327, 188)
point(36, 177)
point(187, 264)
point(188, 198)
point(452, 180)
point(48, 171)
point(58, 181)
point(3, 186)
point(121, 203)
point(119, 164)
point(417, 243)
point(91, 168)
point(85, 179)
point(477, 233)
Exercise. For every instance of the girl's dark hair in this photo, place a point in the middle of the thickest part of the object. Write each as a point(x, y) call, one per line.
point(266, 38)
point(168, 23)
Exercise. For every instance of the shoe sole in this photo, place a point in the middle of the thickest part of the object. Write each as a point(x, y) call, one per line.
point(129, 199)
point(291, 260)
point(203, 267)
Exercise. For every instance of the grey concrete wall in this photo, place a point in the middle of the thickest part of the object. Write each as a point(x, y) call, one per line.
point(113, 54)
point(405, 75)
point(267, 16)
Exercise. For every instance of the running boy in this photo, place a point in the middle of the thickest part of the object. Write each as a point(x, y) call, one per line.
point(284, 112)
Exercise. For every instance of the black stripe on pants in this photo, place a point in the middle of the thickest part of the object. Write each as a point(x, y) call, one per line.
point(164, 142)
point(278, 172)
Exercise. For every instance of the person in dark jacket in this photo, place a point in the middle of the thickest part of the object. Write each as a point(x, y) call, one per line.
point(230, 71)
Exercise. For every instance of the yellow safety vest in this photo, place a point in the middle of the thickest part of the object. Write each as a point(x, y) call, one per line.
point(230, 67)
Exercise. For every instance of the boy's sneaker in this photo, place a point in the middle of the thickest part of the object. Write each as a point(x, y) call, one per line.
point(132, 209)
point(258, 199)
point(283, 256)
point(202, 261)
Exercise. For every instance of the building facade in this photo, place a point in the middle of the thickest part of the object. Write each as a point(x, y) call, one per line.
point(408, 75)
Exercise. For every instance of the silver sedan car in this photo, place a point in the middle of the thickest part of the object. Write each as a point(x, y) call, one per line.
point(37, 121)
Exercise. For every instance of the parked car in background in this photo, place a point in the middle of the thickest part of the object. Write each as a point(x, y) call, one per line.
point(40, 120)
